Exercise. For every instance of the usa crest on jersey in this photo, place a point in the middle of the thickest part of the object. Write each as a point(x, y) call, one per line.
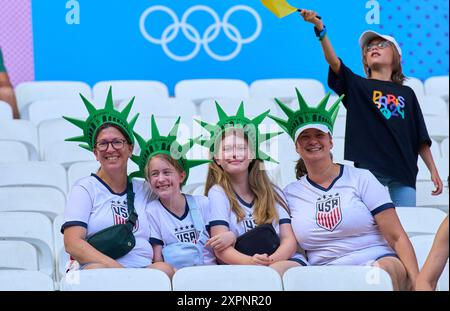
point(328, 212)
point(120, 213)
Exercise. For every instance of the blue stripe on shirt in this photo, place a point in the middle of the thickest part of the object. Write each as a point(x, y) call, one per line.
point(382, 208)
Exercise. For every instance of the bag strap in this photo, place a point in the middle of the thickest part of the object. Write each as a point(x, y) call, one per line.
point(195, 212)
point(132, 215)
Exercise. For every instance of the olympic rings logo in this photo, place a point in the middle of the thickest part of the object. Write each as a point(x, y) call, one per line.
point(192, 34)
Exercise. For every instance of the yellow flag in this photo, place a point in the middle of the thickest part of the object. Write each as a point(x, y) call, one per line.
point(279, 7)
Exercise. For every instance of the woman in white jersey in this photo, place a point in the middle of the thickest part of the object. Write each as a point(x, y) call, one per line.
point(341, 215)
point(178, 221)
point(101, 200)
point(241, 194)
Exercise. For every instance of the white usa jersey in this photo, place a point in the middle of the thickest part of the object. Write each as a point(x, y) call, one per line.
point(337, 225)
point(94, 206)
point(221, 213)
point(168, 228)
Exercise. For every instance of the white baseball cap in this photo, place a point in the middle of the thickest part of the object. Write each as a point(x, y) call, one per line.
point(369, 35)
point(321, 127)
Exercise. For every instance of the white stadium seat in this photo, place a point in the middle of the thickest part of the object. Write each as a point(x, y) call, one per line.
point(126, 89)
point(33, 228)
point(21, 131)
point(162, 107)
point(416, 85)
point(82, 169)
point(5, 111)
point(284, 89)
point(28, 92)
point(420, 220)
point(42, 110)
point(116, 280)
point(47, 201)
point(425, 199)
point(437, 127)
point(13, 280)
point(198, 90)
point(13, 151)
point(35, 174)
point(444, 149)
point(437, 86)
point(67, 153)
point(61, 257)
point(287, 158)
point(18, 255)
point(337, 278)
point(432, 105)
point(165, 124)
point(56, 131)
point(252, 107)
point(338, 149)
point(227, 278)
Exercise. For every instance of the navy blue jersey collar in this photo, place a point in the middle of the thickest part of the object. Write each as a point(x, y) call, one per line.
point(341, 172)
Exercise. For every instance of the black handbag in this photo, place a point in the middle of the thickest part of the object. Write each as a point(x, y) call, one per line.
point(118, 240)
point(260, 240)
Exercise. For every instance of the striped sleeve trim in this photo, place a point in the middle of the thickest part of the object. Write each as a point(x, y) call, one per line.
point(285, 221)
point(218, 223)
point(73, 224)
point(156, 241)
point(382, 208)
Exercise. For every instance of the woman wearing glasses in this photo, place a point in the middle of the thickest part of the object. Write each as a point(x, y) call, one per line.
point(382, 111)
point(109, 197)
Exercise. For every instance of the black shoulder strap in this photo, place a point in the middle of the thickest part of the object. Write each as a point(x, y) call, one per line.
point(132, 215)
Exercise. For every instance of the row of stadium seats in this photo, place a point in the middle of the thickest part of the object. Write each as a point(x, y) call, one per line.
point(22, 140)
point(196, 90)
point(56, 180)
point(211, 278)
point(30, 237)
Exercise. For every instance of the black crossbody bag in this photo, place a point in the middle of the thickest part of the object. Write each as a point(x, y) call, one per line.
point(260, 240)
point(118, 240)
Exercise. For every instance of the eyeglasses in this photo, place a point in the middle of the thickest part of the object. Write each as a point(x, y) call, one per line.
point(381, 45)
point(117, 144)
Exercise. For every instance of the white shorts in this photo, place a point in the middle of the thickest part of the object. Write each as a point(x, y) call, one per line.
point(364, 257)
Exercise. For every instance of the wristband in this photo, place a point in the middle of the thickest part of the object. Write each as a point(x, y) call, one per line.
point(320, 34)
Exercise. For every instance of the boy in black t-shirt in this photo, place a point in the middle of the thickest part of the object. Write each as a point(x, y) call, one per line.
point(385, 129)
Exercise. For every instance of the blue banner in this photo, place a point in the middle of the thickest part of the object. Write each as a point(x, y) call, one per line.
point(172, 40)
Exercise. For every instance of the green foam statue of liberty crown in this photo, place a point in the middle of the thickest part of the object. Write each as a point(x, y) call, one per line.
point(240, 121)
point(98, 117)
point(158, 144)
point(307, 115)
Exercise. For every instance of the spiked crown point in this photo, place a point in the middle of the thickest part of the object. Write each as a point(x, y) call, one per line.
point(238, 121)
point(168, 145)
point(99, 117)
point(307, 116)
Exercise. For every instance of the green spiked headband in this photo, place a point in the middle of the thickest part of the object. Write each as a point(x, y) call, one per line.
point(238, 121)
point(164, 145)
point(308, 117)
point(99, 117)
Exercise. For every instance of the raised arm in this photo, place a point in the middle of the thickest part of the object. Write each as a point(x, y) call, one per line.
point(328, 51)
point(427, 157)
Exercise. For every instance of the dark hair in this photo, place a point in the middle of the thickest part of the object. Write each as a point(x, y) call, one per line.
point(300, 169)
point(397, 72)
point(108, 125)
